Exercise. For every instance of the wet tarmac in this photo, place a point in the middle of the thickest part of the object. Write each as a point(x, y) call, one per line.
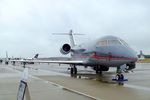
point(54, 82)
point(39, 89)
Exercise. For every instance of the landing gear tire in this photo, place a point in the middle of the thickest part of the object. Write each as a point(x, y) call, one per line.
point(24, 64)
point(6, 63)
point(73, 70)
point(120, 83)
point(96, 71)
point(120, 76)
point(100, 72)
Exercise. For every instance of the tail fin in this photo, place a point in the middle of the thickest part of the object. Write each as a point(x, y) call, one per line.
point(7, 56)
point(71, 35)
point(141, 53)
point(36, 56)
point(6, 59)
point(72, 41)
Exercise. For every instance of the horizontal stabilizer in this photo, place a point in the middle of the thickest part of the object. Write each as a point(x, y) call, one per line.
point(71, 34)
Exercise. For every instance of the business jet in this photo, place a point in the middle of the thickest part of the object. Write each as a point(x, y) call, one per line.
point(35, 57)
point(100, 54)
point(25, 60)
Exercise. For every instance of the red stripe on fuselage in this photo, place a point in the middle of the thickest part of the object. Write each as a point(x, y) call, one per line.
point(108, 57)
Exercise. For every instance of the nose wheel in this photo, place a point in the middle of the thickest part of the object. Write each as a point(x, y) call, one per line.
point(119, 78)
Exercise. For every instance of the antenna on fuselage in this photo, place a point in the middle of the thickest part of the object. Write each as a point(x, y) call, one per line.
point(71, 36)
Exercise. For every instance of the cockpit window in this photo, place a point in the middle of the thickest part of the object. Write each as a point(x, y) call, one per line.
point(114, 42)
point(124, 43)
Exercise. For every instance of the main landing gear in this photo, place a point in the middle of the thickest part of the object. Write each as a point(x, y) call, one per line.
point(98, 70)
point(13, 63)
point(6, 62)
point(24, 64)
point(73, 70)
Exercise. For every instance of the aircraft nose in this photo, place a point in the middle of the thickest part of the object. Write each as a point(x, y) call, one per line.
point(128, 53)
point(133, 55)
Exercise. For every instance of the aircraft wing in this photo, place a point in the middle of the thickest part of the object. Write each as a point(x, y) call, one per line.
point(52, 61)
point(60, 61)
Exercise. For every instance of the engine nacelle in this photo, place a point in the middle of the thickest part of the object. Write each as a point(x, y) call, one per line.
point(65, 49)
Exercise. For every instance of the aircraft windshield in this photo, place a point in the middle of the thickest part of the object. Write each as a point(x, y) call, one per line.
point(124, 43)
point(112, 42)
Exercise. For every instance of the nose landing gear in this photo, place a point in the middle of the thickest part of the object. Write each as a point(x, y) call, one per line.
point(119, 78)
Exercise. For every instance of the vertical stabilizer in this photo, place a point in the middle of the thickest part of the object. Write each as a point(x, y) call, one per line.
point(141, 56)
point(6, 56)
point(36, 56)
point(6, 59)
point(71, 36)
point(72, 41)
point(141, 53)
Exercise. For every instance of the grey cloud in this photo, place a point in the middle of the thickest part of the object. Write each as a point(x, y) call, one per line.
point(26, 25)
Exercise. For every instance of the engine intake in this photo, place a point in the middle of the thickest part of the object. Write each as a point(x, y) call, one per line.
point(65, 49)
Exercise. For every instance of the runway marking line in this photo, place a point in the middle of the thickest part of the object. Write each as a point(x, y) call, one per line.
point(80, 93)
point(68, 89)
point(62, 87)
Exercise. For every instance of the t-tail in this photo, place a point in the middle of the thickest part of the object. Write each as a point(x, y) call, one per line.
point(72, 41)
point(71, 36)
point(67, 48)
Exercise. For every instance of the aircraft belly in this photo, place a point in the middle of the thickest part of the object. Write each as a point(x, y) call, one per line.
point(110, 63)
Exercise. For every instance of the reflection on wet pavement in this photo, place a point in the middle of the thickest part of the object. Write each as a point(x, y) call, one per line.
point(98, 86)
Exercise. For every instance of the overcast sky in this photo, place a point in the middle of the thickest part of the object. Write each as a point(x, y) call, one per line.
point(26, 26)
